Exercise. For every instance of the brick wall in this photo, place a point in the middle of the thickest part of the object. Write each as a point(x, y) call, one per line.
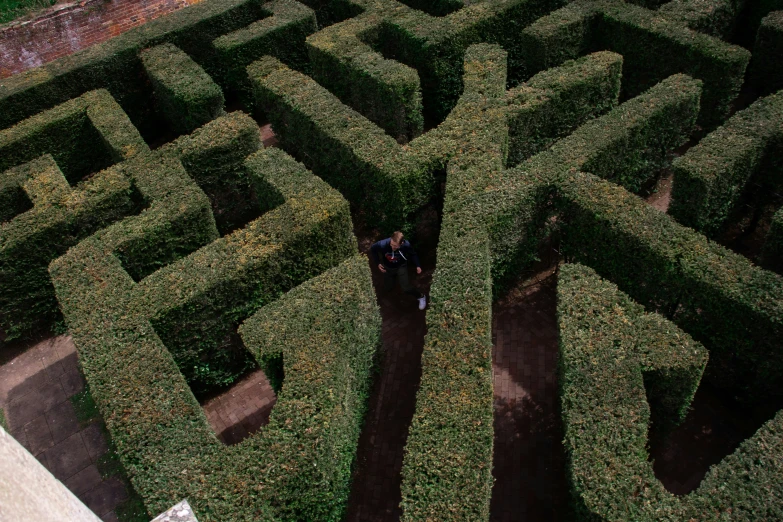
point(67, 28)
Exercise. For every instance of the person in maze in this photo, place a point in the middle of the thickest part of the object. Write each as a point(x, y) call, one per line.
point(391, 256)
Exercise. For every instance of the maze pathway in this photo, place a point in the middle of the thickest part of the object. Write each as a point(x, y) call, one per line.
point(35, 388)
point(529, 463)
point(242, 409)
point(376, 483)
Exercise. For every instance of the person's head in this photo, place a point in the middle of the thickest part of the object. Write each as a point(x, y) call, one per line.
point(396, 240)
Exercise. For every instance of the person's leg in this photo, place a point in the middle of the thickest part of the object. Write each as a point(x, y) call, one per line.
point(389, 278)
point(407, 287)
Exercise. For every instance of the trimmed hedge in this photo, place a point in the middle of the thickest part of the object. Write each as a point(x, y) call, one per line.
point(387, 92)
point(327, 331)
point(652, 47)
point(177, 219)
point(772, 254)
point(388, 181)
point(555, 102)
point(717, 18)
point(282, 34)
point(716, 296)
point(766, 71)
point(214, 157)
point(339, 144)
point(196, 303)
point(629, 144)
point(45, 215)
point(613, 356)
point(115, 64)
point(186, 95)
point(447, 469)
point(435, 46)
point(162, 436)
point(710, 177)
point(719, 297)
point(84, 135)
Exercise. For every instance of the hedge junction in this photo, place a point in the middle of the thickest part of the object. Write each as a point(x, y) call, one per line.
point(525, 119)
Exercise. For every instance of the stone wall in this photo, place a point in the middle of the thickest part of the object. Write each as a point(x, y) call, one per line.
point(67, 28)
point(29, 492)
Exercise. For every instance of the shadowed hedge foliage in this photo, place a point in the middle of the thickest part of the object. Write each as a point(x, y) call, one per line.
point(391, 182)
point(45, 215)
point(186, 95)
point(359, 159)
point(214, 157)
point(772, 255)
point(629, 144)
point(617, 363)
point(115, 64)
point(714, 17)
point(710, 177)
point(327, 331)
point(555, 102)
point(282, 34)
point(196, 303)
point(447, 470)
point(652, 46)
point(387, 92)
point(767, 64)
point(159, 428)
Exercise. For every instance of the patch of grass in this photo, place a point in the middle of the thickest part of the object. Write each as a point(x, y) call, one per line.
point(108, 464)
point(86, 409)
point(13, 9)
point(3, 421)
point(132, 510)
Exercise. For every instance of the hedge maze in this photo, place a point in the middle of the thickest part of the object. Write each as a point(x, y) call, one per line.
point(141, 211)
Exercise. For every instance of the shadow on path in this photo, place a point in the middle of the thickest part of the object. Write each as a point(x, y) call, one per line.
point(375, 494)
point(529, 462)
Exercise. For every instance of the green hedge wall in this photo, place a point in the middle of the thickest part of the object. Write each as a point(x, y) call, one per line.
point(710, 177)
point(447, 469)
point(555, 102)
point(186, 95)
point(347, 150)
point(48, 153)
point(84, 135)
point(214, 157)
point(177, 218)
point(564, 34)
point(196, 303)
point(652, 48)
point(435, 46)
point(719, 297)
point(353, 154)
point(613, 357)
point(717, 18)
point(772, 254)
point(162, 436)
point(765, 69)
point(327, 331)
point(115, 64)
point(387, 92)
point(282, 34)
point(629, 144)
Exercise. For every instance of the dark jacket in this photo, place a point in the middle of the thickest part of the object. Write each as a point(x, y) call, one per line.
point(381, 252)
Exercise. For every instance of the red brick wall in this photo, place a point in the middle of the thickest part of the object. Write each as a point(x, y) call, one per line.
point(67, 28)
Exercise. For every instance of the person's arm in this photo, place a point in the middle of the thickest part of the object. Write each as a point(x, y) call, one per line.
point(374, 249)
point(376, 253)
point(413, 257)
